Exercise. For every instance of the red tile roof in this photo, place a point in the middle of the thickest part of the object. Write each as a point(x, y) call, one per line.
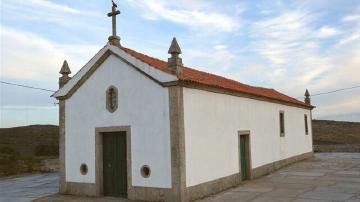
point(204, 78)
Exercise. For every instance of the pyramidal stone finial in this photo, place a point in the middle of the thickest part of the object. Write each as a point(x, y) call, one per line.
point(175, 62)
point(307, 97)
point(174, 47)
point(65, 70)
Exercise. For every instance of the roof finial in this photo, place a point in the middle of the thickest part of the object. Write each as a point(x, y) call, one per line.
point(307, 97)
point(65, 71)
point(174, 48)
point(175, 62)
point(114, 39)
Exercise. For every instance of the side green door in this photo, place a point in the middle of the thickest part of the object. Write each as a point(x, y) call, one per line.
point(114, 164)
point(243, 162)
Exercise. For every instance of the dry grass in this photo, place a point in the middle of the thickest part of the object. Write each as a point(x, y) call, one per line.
point(336, 132)
point(23, 148)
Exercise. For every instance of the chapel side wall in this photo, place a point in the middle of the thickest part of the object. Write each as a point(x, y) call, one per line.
point(143, 105)
point(212, 122)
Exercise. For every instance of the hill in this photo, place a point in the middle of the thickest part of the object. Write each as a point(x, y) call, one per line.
point(28, 140)
point(28, 149)
point(335, 132)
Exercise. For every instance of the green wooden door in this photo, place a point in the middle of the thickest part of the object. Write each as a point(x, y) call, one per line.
point(243, 162)
point(114, 164)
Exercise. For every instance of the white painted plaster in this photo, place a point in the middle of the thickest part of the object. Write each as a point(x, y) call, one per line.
point(151, 71)
point(212, 122)
point(143, 105)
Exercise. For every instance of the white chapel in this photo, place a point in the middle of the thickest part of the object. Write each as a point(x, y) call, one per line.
point(133, 126)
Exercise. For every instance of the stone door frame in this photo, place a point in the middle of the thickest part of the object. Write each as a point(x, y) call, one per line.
point(99, 181)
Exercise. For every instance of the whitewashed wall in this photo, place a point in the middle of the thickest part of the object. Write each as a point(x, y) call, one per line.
point(211, 140)
point(143, 104)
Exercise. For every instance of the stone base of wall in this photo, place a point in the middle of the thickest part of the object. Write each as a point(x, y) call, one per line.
point(212, 187)
point(216, 186)
point(271, 167)
point(191, 193)
point(79, 189)
point(135, 193)
point(150, 194)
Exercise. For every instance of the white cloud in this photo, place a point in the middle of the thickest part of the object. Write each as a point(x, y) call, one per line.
point(47, 11)
point(30, 57)
point(27, 107)
point(220, 47)
point(49, 5)
point(291, 48)
point(216, 60)
point(352, 35)
point(295, 59)
point(195, 15)
point(355, 36)
point(351, 18)
point(281, 36)
point(326, 32)
point(342, 106)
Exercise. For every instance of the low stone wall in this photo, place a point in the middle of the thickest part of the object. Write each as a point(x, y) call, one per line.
point(15, 165)
point(49, 165)
point(337, 148)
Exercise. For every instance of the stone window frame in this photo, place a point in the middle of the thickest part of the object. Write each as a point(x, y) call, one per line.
point(306, 124)
point(282, 123)
point(109, 106)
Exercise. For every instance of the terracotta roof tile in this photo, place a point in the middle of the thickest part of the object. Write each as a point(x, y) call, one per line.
point(204, 78)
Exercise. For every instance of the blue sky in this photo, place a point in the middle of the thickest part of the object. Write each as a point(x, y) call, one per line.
point(286, 45)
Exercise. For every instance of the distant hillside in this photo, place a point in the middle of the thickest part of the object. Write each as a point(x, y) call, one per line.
point(29, 149)
point(336, 132)
point(26, 140)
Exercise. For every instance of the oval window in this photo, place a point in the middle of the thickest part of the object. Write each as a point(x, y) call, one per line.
point(83, 169)
point(145, 171)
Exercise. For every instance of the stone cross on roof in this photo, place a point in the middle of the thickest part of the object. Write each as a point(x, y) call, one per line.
point(114, 39)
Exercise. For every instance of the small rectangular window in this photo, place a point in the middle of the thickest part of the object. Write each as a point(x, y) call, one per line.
point(306, 125)
point(282, 124)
